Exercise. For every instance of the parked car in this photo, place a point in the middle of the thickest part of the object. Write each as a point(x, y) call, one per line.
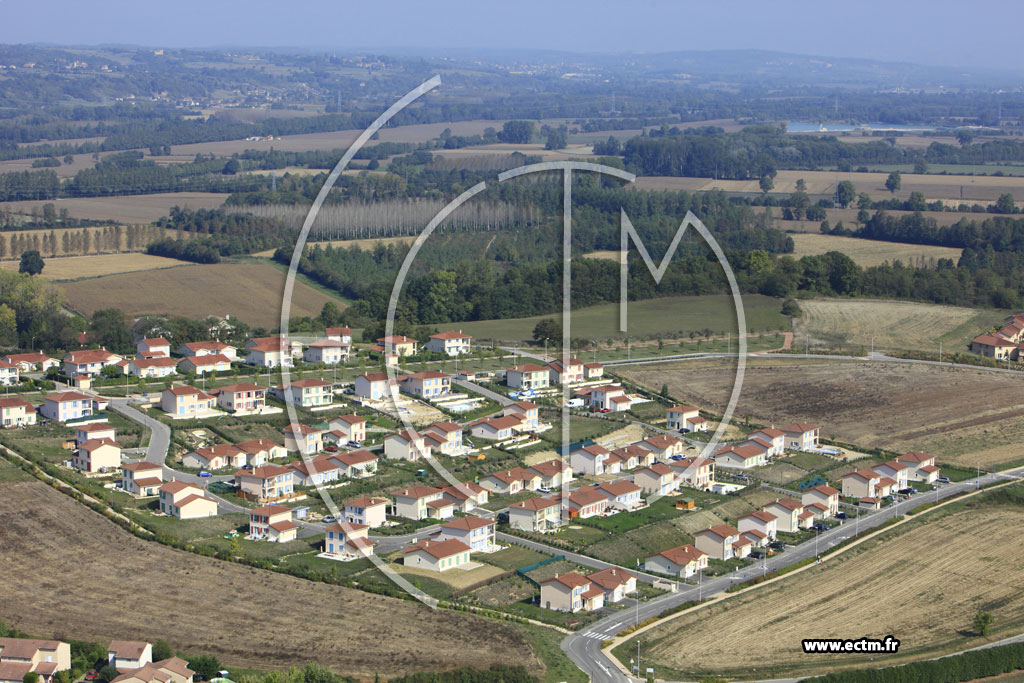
point(675, 457)
point(756, 555)
point(818, 526)
point(502, 518)
point(777, 545)
point(354, 444)
point(943, 480)
point(841, 515)
point(544, 489)
point(331, 448)
point(91, 676)
point(204, 473)
point(909, 491)
point(330, 519)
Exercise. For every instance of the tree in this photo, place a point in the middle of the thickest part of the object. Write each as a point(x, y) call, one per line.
point(920, 165)
point(558, 138)
point(664, 390)
point(107, 674)
point(1005, 203)
point(964, 137)
point(518, 132)
point(205, 665)
point(791, 308)
point(801, 185)
point(982, 623)
point(231, 167)
point(330, 314)
point(31, 262)
point(548, 328)
point(846, 193)
point(112, 330)
point(766, 183)
point(162, 650)
point(799, 201)
point(893, 182)
point(30, 677)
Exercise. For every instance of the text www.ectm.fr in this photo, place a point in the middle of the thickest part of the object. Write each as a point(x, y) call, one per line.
point(832, 645)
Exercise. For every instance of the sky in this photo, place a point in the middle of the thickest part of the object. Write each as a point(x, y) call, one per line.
point(931, 32)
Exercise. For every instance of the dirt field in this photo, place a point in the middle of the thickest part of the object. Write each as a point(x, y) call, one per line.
point(203, 604)
point(871, 252)
point(892, 324)
point(964, 416)
point(362, 244)
point(249, 292)
point(900, 587)
point(72, 267)
point(951, 188)
point(849, 219)
point(140, 208)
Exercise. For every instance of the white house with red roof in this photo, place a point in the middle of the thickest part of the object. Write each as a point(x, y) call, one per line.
point(800, 436)
point(823, 495)
point(97, 455)
point(272, 523)
point(326, 352)
point(449, 343)
point(310, 392)
point(28, 362)
point(351, 426)
point(266, 483)
point(125, 655)
point(9, 373)
point(303, 438)
point(317, 471)
point(356, 464)
point(269, 352)
point(589, 459)
point(565, 373)
point(260, 451)
point(153, 347)
point(428, 384)
point(414, 502)
point(920, 466)
point(586, 503)
point(16, 412)
point(476, 532)
point(347, 541)
point(208, 348)
point(185, 401)
point(616, 583)
point(243, 397)
point(142, 479)
point(66, 405)
point(216, 457)
point(444, 438)
point(466, 496)
point(894, 470)
point(571, 592)
point(149, 368)
point(658, 479)
point(185, 501)
point(341, 334)
point(683, 561)
point(553, 473)
point(861, 483)
point(370, 511)
point(398, 345)
point(438, 556)
point(204, 365)
point(772, 439)
point(510, 482)
point(535, 514)
point(790, 515)
point(994, 346)
point(696, 472)
point(374, 386)
point(761, 521)
point(592, 371)
point(609, 397)
point(664, 446)
point(722, 542)
point(527, 376)
point(405, 445)
point(527, 412)
point(495, 428)
point(89, 361)
point(742, 456)
point(21, 656)
point(621, 494)
point(681, 418)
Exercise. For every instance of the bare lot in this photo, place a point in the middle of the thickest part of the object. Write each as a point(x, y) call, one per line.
point(140, 208)
point(871, 252)
point(901, 586)
point(963, 415)
point(249, 292)
point(203, 604)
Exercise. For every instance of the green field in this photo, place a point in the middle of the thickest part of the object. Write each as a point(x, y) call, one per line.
point(669, 316)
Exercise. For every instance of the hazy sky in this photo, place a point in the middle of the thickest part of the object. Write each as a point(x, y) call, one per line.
point(982, 33)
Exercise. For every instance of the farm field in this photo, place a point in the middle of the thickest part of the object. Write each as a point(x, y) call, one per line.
point(300, 620)
point(74, 267)
point(952, 189)
point(871, 252)
point(649, 317)
point(250, 292)
point(894, 325)
point(368, 243)
point(897, 406)
point(139, 208)
point(930, 598)
point(849, 219)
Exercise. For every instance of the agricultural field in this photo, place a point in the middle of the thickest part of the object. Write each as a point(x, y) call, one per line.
point(250, 292)
point(299, 618)
point(139, 208)
point(848, 217)
point(368, 243)
point(76, 267)
point(871, 252)
point(666, 315)
point(900, 586)
point(893, 325)
point(965, 416)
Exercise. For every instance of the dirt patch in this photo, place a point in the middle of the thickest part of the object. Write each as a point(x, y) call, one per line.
point(81, 560)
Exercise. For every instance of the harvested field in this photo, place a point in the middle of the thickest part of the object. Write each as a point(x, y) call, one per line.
point(249, 292)
point(869, 253)
point(849, 219)
point(139, 208)
point(74, 267)
point(930, 599)
point(204, 603)
point(456, 578)
point(892, 325)
point(347, 244)
point(963, 415)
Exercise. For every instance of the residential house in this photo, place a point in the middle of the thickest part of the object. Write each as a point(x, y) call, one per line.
point(449, 343)
point(861, 483)
point(895, 470)
point(9, 373)
point(97, 455)
point(800, 436)
point(208, 348)
point(308, 393)
point(186, 401)
point(173, 670)
point(428, 384)
point(475, 532)
point(356, 464)
point(589, 459)
point(414, 502)
point(260, 451)
point(994, 346)
point(592, 371)
point(341, 334)
point(16, 412)
point(466, 496)
point(368, 511)
point(243, 397)
point(303, 438)
point(89, 361)
point(444, 438)
point(495, 428)
point(406, 446)
point(567, 373)
point(586, 503)
point(920, 466)
point(772, 439)
point(789, 514)
point(398, 345)
point(658, 479)
point(722, 542)
point(682, 418)
point(438, 556)
point(535, 514)
point(616, 583)
point(267, 483)
point(148, 368)
point(28, 362)
point(527, 412)
point(129, 654)
point(743, 456)
point(206, 364)
point(20, 656)
point(67, 405)
point(346, 541)
point(571, 592)
point(269, 352)
point(326, 352)
point(663, 446)
point(216, 457)
point(510, 482)
point(153, 347)
point(94, 430)
point(683, 561)
point(760, 521)
point(553, 473)
point(823, 495)
point(318, 471)
point(697, 472)
point(142, 479)
point(185, 501)
point(272, 523)
point(374, 386)
point(527, 376)
point(351, 426)
point(621, 494)
point(609, 398)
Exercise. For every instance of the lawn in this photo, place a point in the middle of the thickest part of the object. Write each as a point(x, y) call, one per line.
point(513, 557)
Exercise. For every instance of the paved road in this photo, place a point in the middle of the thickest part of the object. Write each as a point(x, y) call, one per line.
point(493, 395)
point(584, 647)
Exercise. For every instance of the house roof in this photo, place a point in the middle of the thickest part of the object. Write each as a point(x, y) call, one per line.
point(184, 390)
point(684, 409)
point(270, 510)
point(354, 458)
point(375, 376)
point(439, 549)
point(95, 427)
point(512, 475)
point(93, 444)
point(929, 468)
point(549, 468)
point(459, 490)
point(865, 474)
point(658, 468)
point(418, 491)
point(745, 450)
point(140, 466)
point(89, 356)
point(68, 396)
point(915, 456)
point(788, 503)
point(350, 419)
point(893, 465)
point(127, 649)
point(325, 344)
point(346, 527)
point(695, 461)
point(992, 340)
point(147, 481)
point(468, 523)
point(611, 578)
point(264, 472)
point(523, 405)
point(683, 554)
point(593, 366)
point(498, 423)
point(298, 428)
point(37, 357)
point(799, 428)
point(240, 386)
point(159, 362)
point(595, 450)
point(619, 487)
point(284, 525)
point(450, 335)
point(396, 339)
point(206, 346)
point(723, 531)
point(585, 497)
point(661, 441)
point(569, 580)
point(256, 445)
point(340, 331)
point(424, 374)
point(526, 367)
point(535, 504)
point(825, 489)
point(314, 466)
point(760, 515)
point(224, 450)
point(25, 648)
point(366, 502)
point(447, 427)
point(630, 451)
point(176, 486)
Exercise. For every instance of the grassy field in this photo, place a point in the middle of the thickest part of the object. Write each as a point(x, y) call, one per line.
point(75, 267)
point(202, 602)
point(362, 244)
point(965, 416)
point(900, 586)
point(139, 208)
point(893, 325)
point(871, 252)
point(249, 292)
point(849, 219)
point(667, 315)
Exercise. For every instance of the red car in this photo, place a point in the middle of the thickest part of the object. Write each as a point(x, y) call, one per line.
point(331, 448)
point(91, 676)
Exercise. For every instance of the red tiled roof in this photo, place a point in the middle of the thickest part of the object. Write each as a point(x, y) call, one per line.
point(439, 549)
point(682, 555)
